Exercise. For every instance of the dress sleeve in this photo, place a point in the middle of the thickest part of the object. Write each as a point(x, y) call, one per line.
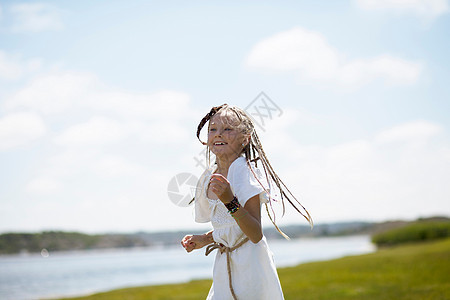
point(202, 211)
point(245, 184)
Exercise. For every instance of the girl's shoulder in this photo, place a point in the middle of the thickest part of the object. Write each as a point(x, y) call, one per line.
point(247, 181)
point(238, 165)
point(241, 160)
point(241, 168)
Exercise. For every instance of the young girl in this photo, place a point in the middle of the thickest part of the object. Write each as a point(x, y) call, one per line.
point(229, 195)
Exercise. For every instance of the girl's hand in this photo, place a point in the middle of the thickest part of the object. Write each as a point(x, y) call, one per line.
point(220, 186)
point(188, 243)
point(191, 242)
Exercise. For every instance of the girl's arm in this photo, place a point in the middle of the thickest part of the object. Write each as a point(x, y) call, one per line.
point(197, 241)
point(249, 219)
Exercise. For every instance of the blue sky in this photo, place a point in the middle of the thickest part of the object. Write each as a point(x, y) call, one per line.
point(99, 102)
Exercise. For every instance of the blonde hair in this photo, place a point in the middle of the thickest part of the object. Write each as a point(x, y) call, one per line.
point(254, 152)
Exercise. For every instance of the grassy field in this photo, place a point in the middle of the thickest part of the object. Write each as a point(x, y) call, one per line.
point(415, 271)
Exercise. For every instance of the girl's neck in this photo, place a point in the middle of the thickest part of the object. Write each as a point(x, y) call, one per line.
point(223, 163)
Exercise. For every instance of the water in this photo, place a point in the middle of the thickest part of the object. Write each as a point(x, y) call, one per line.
point(49, 275)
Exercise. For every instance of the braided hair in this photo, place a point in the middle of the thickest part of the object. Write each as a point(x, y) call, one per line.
point(254, 152)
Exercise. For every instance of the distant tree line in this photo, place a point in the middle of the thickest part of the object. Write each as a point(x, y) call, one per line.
point(63, 241)
point(419, 231)
point(11, 243)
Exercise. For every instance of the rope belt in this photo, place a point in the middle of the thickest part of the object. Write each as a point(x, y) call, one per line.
point(222, 248)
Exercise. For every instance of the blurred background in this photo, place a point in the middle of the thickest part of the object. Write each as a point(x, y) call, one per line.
point(100, 101)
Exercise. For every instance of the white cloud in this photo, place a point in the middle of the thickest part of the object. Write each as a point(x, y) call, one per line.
point(308, 55)
point(97, 131)
point(426, 8)
point(164, 104)
point(43, 186)
point(9, 69)
point(35, 17)
point(70, 162)
point(296, 49)
point(52, 93)
point(60, 91)
point(19, 129)
point(162, 131)
point(147, 117)
point(115, 166)
point(350, 152)
point(392, 70)
point(12, 68)
point(412, 131)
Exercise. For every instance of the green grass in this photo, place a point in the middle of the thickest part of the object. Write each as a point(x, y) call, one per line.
point(419, 271)
point(415, 232)
point(415, 271)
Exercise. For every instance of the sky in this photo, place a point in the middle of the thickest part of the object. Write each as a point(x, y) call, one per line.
point(100, 101)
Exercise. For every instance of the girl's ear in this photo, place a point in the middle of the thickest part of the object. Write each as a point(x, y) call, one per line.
point(246, 140)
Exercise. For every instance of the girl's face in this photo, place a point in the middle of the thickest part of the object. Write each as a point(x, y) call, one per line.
point(224, 137)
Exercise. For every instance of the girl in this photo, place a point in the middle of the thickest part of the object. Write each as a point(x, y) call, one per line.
point(229, 195)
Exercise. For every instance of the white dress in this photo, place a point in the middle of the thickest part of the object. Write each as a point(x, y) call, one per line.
point(253, 271)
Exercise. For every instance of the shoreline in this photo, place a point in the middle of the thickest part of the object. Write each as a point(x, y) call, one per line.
point(275, 244)
point(384, 274)
point(93, 271)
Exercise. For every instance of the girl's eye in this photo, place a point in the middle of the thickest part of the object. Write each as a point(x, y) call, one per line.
point(212, 129)
point(228, 129)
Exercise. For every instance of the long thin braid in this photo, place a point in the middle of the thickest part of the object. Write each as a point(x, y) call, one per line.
point(284, 190)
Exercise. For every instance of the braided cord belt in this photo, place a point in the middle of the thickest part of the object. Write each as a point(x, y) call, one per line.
point(227, 250)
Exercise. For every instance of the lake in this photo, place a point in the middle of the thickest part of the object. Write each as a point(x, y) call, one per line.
point(58, 274)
